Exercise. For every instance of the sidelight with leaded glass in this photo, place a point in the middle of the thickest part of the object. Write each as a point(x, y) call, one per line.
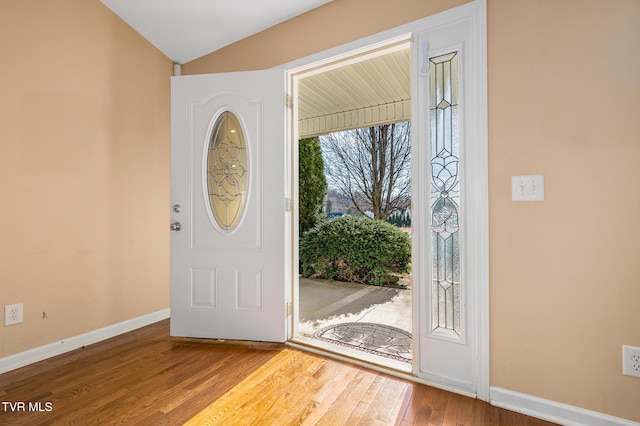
point(445, 197)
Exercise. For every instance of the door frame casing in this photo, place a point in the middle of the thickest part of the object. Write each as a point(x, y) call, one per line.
point(477, 248)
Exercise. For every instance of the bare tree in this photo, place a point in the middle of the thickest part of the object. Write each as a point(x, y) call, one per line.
point(371, 167)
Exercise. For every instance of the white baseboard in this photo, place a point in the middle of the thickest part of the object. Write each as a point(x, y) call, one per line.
point(556, 412)
point(31, 356)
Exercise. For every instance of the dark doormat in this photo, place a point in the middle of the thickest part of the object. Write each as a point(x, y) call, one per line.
point(377, 339)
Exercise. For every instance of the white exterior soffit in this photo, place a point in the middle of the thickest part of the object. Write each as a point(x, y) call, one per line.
point(356, 93)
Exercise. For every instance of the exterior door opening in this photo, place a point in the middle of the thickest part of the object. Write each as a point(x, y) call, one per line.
point(446, 106)
point(355, 115)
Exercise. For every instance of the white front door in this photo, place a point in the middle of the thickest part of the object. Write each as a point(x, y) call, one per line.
point(228, 189)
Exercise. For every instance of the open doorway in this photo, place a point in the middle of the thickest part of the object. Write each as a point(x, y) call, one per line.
point(355, 115)
point(449, 223)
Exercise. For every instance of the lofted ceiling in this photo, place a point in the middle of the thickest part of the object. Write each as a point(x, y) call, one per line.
point(348, 95)
point(188, 29)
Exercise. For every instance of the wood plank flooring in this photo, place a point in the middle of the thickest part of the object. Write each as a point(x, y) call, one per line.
point(146, 377)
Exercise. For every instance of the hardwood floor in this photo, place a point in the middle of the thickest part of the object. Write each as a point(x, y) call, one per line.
point(146, 377)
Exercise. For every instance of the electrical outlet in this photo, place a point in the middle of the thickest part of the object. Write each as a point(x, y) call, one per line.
point(12, 314)
point(630, 361)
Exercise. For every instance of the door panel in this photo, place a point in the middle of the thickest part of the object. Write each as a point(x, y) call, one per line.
point(228, 281)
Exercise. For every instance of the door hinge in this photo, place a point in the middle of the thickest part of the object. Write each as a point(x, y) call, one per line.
point(288, 309)
point(288, 101)
point(287, 204)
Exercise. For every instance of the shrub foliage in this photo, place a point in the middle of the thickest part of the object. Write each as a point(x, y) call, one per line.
point(355, 249)
point(312, 183)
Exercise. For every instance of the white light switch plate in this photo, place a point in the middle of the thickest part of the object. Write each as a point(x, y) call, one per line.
point(527, 188)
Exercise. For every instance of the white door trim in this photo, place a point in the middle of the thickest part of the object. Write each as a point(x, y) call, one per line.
point(478, 155)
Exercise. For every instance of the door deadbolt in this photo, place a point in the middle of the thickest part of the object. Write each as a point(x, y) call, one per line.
point(177, 208)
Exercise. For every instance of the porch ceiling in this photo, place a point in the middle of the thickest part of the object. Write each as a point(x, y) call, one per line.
point(361, 94)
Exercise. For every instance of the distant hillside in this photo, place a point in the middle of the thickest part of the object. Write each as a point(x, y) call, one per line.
point(338, 203)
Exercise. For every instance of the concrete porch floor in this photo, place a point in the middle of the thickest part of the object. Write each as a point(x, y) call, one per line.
point(373, 319)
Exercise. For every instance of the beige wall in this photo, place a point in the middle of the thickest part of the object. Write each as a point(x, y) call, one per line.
point(329, 26)
point(564, 98)
point(84, 131)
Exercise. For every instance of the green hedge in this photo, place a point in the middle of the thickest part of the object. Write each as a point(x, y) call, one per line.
point(355, 249)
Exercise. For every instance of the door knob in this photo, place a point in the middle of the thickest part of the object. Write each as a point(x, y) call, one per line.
point(176, 226)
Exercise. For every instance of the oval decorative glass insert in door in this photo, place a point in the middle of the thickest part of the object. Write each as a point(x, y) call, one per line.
point(227, 171)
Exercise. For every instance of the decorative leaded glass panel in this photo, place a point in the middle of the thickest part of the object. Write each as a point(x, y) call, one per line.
point(445, 196)
point(227, 171)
